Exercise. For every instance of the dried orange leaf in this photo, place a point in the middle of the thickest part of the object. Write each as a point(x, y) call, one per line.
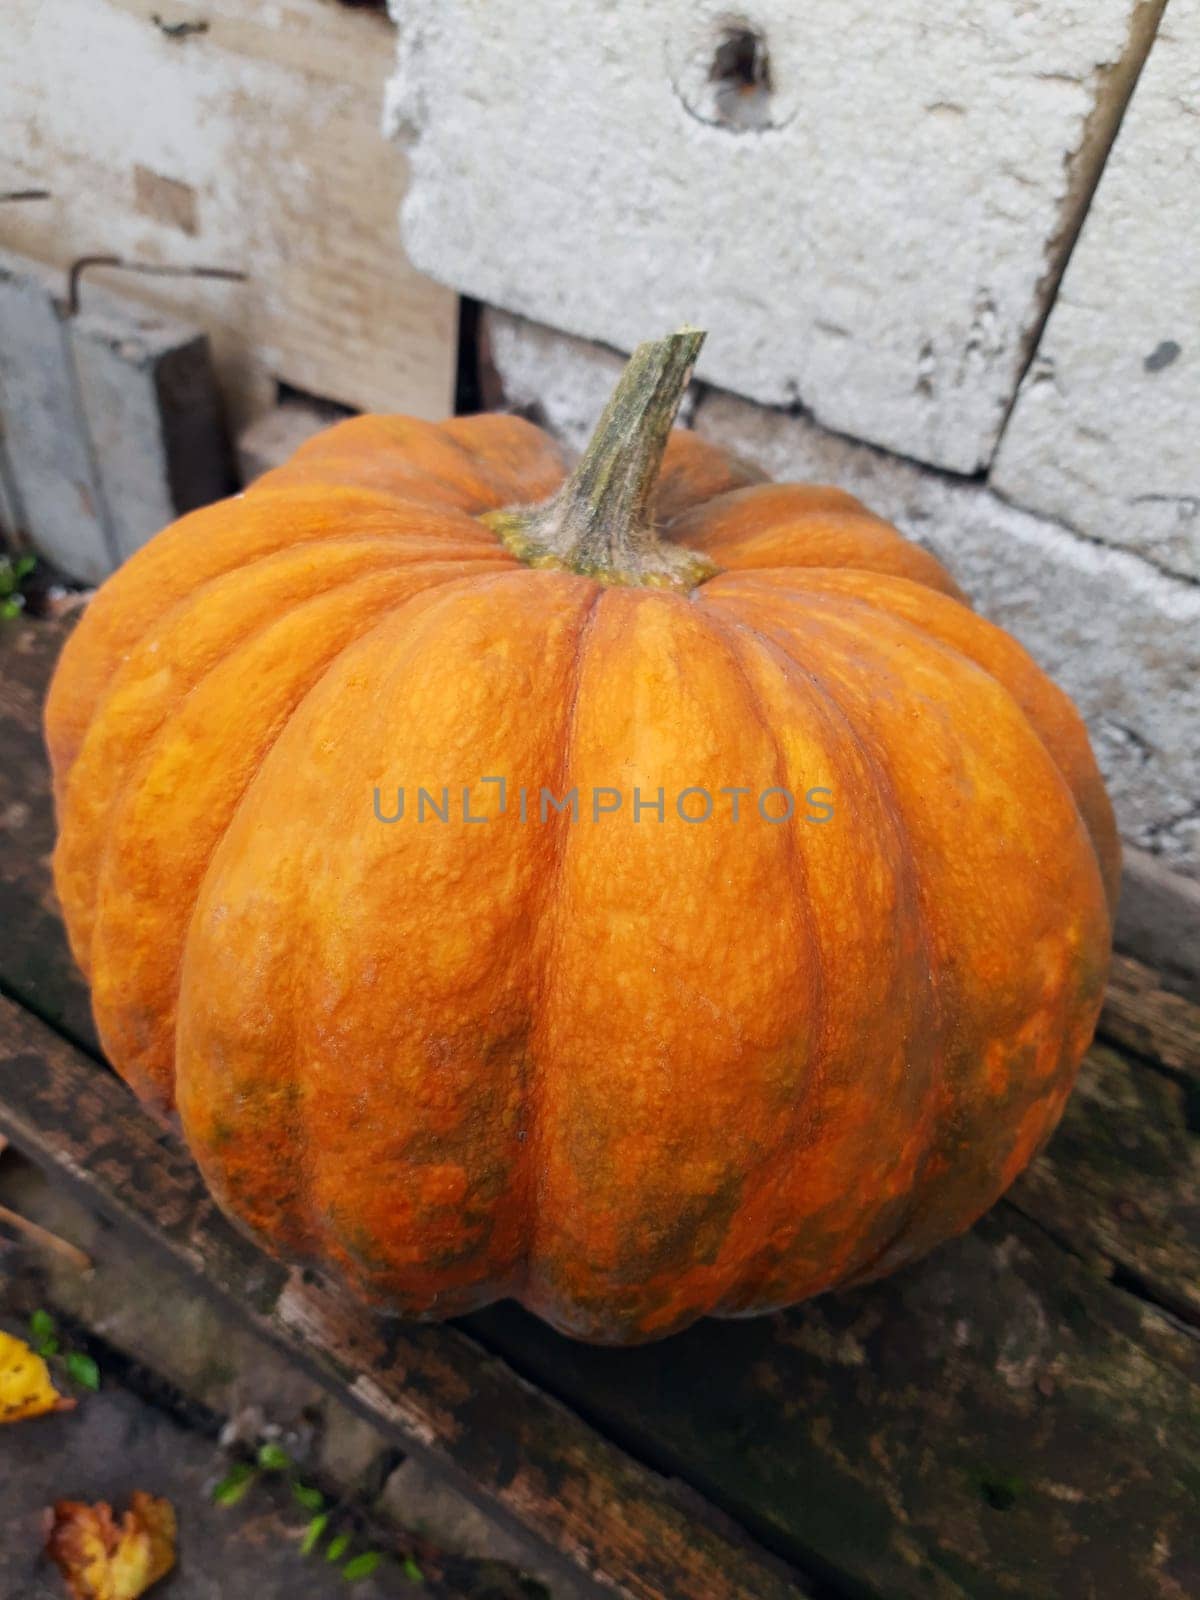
point(102, 1560)
point(25, 1386)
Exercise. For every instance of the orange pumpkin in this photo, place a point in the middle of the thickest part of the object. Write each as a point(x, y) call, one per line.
point(635, 1064)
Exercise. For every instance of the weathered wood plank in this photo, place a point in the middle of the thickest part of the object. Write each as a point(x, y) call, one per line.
point(1119, 1184)
point(1158, 920)
point(524, 1456)
point(991, 1422)
point(251, 144)
point(36, 965)
point(154, 1322)
point(12, 535)
point(1140, 1015)
point(999, 1376)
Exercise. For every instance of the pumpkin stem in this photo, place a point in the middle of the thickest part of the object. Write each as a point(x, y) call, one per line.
point(600, 522)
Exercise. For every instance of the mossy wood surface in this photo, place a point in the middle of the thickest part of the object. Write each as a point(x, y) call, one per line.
point(1017, 1415)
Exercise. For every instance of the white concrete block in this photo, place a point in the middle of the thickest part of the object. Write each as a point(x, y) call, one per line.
point(1105, 435)
point(862, 203)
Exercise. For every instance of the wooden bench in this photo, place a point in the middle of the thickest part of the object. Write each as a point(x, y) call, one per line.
point(1015, 1416)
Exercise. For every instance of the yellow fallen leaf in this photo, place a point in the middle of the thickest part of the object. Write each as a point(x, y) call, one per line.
point(25, 1386)
point(102, 1560)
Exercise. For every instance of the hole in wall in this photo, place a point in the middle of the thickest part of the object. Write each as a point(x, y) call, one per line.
point(727, 75)
point(740, 75)
point(1162, 356)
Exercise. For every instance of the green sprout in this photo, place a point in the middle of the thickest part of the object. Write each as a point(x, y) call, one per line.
point(306, 1498)
point(43, 1334)
point(314, 1533)
point(273, 1458)
point(81, 1369)
point(13, 572)
point(338, 1547)
point(235, 1484)
point(45, 1340)
point(362, 1566)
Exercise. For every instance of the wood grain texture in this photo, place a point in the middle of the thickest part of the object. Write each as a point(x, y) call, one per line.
point(990, 1422)
point(253, 144)
point(1158, 920)
point(1143, 1016)
point(36, 966)
point(1119, 1184)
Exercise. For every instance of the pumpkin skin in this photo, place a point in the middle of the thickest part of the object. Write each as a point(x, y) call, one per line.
point(629, 1072)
